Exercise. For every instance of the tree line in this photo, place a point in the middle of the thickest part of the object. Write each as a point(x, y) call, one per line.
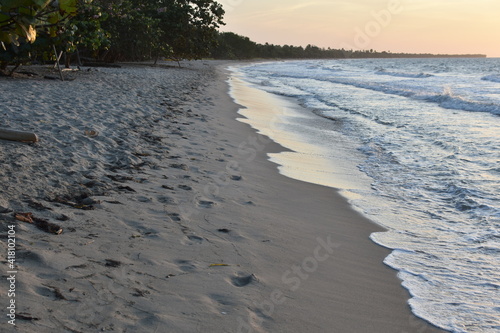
point(234, 46)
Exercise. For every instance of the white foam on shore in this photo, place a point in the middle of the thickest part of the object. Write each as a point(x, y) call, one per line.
point(282, 120)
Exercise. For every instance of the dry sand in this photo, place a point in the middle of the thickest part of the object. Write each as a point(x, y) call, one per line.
point(173, 219)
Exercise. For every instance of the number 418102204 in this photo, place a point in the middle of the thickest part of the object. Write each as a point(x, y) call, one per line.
point(11, 245)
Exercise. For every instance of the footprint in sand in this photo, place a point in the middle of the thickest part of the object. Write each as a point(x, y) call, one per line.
point(193, 239)
point(206, 204)
point(164, 199)
point(143, 199)
point(174, 217)
point(243, 280)
point(185, 265)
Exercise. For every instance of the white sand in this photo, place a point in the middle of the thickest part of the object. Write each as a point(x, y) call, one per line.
point(192, 230)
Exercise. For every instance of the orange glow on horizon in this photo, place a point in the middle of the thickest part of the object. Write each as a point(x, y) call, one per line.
point(424, 26)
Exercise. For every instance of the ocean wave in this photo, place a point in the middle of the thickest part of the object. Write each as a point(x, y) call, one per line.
point(492, 78)
point(406, 75)
point(448, 100)
point(473, 201)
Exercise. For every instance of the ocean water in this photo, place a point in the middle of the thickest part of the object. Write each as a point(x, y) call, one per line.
point(415, 145)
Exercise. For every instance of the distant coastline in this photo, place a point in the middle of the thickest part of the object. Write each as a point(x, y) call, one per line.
point(232, 46)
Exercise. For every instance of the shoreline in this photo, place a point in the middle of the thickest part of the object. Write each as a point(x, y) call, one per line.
point(337, 205)
point(193, 229)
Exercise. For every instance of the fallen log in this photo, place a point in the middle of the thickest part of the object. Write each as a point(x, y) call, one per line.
point(11, 135)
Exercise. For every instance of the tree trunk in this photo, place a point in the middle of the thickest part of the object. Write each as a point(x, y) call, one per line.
point(3, 68)
point(67, 60)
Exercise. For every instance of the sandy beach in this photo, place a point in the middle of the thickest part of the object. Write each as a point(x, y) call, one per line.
point(172, 217)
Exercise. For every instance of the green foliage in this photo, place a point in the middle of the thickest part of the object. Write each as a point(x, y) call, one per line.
point(169, 28)
point(84, 29)
point(116, 29)
point(135, 34)
point(22, 20)
point(233, 46)
point(191, 26)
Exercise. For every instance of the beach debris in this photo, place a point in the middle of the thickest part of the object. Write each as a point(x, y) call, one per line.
point(224, 230)
point(7, 134)
point(24, 217)
point(40, 223)
point(91, 133)
point(26, 316)
point(47, 226)
point(57, 64)
point(83, 202)
point(37, 205)
point(185, 187)
point(218, 265)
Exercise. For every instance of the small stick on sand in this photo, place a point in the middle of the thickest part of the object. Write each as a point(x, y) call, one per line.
point(6, 134)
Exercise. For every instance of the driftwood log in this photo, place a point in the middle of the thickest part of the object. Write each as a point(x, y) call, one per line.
point(6, 134)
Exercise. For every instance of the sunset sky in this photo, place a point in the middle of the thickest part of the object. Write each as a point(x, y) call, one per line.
point(417, 26)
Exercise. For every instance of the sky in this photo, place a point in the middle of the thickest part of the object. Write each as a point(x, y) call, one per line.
point(411, 26)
